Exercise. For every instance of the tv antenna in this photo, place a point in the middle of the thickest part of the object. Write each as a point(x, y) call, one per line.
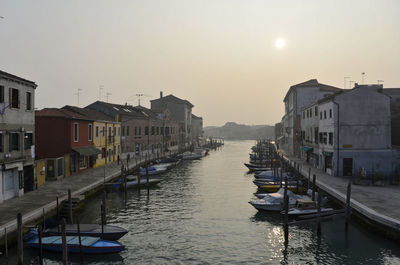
point(77, 94)
point(141, 95)
point(362, 77)
point(107, 95)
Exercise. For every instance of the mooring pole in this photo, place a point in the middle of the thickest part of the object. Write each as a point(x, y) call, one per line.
point(286, 215)
point(64, 243)
point(319, 212)
point(348, 208)
point(20, 246)
point(78, 226)
point(44, 220)
point(40, 245)
point(5, 245)
point(70, 207)
point(309, 178)
point(314, 187)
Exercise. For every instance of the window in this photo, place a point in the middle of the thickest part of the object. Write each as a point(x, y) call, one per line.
point(135, 130)
point(330, 113)
point(109, 132)
point(127, 130)
point(28, 101)
point(13, 141)
point(60, 167)
point(1, 94)
point(152, 130)
point(316, 111)
point(1, 142)
point(114, 131)
point(14, 98)
point(28, 140)
point(103, 152)
point(158, 130)
point(325, 137)
point(97, 131)
point(140, 130)
point(90, 132)
point(146, 130)
point(320, 115)
point(119, 131)
point(316, 135)
point(324, 114)
point(76, 132)
point(82, 162)
point(104, 131)
point(320, 138)
point(123, 130)
point(331, 138)
point(162, 130)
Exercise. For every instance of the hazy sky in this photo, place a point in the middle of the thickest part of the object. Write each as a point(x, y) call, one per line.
point(220, 55)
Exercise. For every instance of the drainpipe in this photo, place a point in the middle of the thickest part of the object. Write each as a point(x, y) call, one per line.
point(337, 138)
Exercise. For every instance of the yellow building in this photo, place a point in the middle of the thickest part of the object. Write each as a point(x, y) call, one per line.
point(107, 138)
point(106, 135)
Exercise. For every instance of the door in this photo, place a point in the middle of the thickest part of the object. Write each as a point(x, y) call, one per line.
point(50, 169)
point(109, 155)
point(9, 183)
point(347, 166)
point(29, 179)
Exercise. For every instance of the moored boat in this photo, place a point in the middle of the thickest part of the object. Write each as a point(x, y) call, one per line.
point(275, 187)
point(110, 232)
point(89, 245)
point(304, 207)
point(132, 181)
point(274, 201)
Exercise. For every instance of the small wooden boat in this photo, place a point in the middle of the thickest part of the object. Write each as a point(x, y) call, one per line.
point(276, 187)
point(153, 170)
point(304, 207)
point(90, 245)
point(110, 232)
point(254, 167)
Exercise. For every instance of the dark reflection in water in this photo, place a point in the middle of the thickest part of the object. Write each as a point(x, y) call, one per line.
point(200, 215)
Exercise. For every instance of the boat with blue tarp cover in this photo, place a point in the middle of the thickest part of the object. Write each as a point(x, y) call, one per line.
point(90, 245)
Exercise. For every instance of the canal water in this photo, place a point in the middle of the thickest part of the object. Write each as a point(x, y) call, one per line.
point(200, 214)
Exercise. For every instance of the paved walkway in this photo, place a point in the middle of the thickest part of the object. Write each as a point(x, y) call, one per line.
point(378, 203)
point(31, 204)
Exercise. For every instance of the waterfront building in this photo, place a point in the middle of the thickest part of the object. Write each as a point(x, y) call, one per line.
point(197, 130)
point(17, 136)
point(181, 111)
point(143, 131)
point(106, 134)
point(65, 141)
point(297, 97)
point(355, 132)
point(309, 134)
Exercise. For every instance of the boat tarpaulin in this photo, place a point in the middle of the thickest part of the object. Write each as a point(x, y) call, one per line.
point(87, 150)
point(306, 148)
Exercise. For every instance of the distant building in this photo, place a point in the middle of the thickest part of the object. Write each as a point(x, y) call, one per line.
point(65, 141)
point(17, 135)
point(106, 134)
point(296, 99)
point(181, 111)
point(197, 129)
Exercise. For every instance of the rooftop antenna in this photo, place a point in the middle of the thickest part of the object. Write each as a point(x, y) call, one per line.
point(107, 95)
point(139, 95)
point(77, 94)
point(362, 77)
point(380, 81)
point(101, 87)
point(344, 82)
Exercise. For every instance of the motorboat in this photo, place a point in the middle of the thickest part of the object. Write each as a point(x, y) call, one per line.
point(275, 201)
point(89, 245)
point(132, 181)
point(304, 207)
point(191, 156)
point(108, 232)
point(153, 170)
point(275, 187)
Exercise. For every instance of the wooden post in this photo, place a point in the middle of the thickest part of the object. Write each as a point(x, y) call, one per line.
point(348, 208)
point(5, 245)
point(58, 213)
point(64, 243)
point(44, 220)
point(309, 178)
point(286, 215)
point(313, 187)
point(70, 207)
point(79, 238)
point(104, 208)
point(319, 212)
point(20, 246)
point(102, 219)
point(40, 245)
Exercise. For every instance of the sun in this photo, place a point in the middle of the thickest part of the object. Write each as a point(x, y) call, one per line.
point(280, 43)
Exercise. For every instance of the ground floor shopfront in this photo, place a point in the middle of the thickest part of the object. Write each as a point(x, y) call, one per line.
point(15, 179)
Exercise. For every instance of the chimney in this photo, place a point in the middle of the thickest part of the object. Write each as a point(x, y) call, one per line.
point(161, 95)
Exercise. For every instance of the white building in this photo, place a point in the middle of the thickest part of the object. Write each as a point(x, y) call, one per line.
point(296, 99)
point(355, 132)
point(17, 127)
point(309, 134)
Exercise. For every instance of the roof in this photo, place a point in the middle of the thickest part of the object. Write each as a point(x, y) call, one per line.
point(196, 117)
point(313, 83)
point(391, 90)
point(126, 109)
point(17, 78)
point(61, 113)
point(89, 113)
point(172, 98)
